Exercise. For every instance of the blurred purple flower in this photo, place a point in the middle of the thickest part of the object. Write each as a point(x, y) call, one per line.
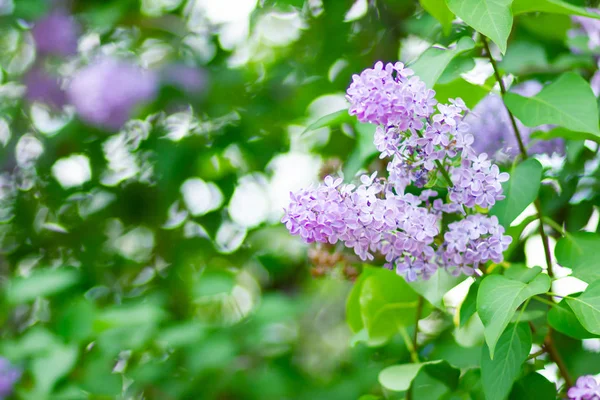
point(43, 87)
point(586, 388)
point(9, 375)
point(589, 27)
point(191, 80)
point(56, 34)
point(107, 92)
point(490, 124)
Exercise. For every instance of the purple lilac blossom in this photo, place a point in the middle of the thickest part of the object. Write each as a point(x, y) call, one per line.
point(9, 375)
point(586, 388)
point(490, 124)
point(595, 81)
point(106, 92)
point(424, 147)
point(41, 86)
point(189, 79)
point(56, 34)
point(590, 27)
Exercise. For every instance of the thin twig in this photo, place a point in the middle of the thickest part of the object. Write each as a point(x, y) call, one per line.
point(549, 344)
point(537, 354)
point(419, 313)
point(554, 356)
point(407, 341)
point(513, 121)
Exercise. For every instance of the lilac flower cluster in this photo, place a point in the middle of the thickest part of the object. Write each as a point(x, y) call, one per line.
point(56, 34)
point(586, 388)
point(105, 93)
point(490, 124)
point(9, 375)
point(426, 149)
point(473, 241)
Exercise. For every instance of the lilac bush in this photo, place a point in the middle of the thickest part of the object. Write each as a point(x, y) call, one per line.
point(426, 148)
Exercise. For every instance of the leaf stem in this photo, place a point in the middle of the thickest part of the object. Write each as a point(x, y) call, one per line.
point(544, 300)
point(555, 225)
point(418, 317)
point(537, 354)
point(513, 122)
point(407, 341)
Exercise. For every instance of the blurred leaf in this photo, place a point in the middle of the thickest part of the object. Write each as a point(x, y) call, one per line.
point(520, 190)
point(499, 374)
point(432, 63)
point(568, 102)
point(49, 368)
point(524, 56)
point(551, 6)
point(562, 318)
point(364, 150)
point(547, 26)
point(470, 93)
point(578, 252)
point(78, 321)
point(440, 11)
point(587, 307)
point(498, 300)
point(435, 381)
point(469, 305)
point(41, 283)
point(398, 378)
point(533, 386)
point(183, 334)
point(493, 18)
point(387, 303)
point(99, 379)
point(382, 302)
point(437, 286)
point(565, 134)
point(130, 315)
point(334, 118)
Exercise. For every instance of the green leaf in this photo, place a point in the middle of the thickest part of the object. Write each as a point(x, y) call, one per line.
point(440, 11)
point(565, 134)
point(334, 118)
point(499, 298)
point(520, 272)
point(41, 283)
point(493, 18)
point(469, 305)
point(435, 381)
point(524, 56)
point(430, 65)
point(470, 93)
point(437, 286)
point(49, 368)
point(499, 374)
point(398, 378)
point(568, 102)
point(533, 386)
point(520, 191)
point(562, 318)
point(587, 307)
point(551, 6)
point(578, 251)
point(364, 149)
point(388, 303)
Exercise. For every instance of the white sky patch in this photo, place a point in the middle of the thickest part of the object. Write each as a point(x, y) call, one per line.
point(72, 171)
point(223, 11)
point(136, 245)
point(250, 205)
point(47, 121)
point(357, 11)
point(5, 134)
point(230, 237)
point(279, 29)
point(201, 197)
point(28, 150)
point(290, 172)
